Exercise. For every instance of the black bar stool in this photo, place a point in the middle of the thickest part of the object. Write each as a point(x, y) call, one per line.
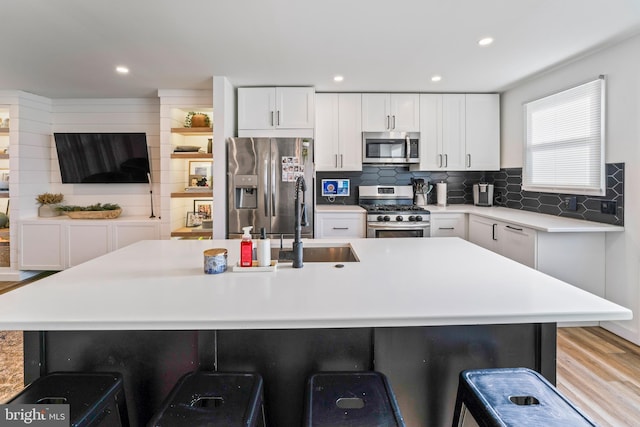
point(354, 399)
point(94, 398)
point(515, 397)
point(213, 399)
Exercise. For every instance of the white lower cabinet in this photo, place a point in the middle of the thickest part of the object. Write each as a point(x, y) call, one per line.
point(577, 258)
point(510, 240)
point(86, 241)
point(41, 246)
point(343, 224)
point(449, 225)
point(57, 244)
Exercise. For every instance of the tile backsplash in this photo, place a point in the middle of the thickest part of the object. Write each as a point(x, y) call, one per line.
point(507, 190)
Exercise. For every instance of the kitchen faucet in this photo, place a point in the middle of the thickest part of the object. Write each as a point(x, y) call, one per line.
point(300, 213)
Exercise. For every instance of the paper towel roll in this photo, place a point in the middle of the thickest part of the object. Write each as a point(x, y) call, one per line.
point(441, 193)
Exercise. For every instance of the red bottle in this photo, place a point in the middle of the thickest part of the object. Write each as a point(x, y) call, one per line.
point(246, 248)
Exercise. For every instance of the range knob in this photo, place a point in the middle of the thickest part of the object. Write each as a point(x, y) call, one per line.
point(419, 218)
point(380, 218)
point(412, 218)
point(399, 218)
point(386, 218)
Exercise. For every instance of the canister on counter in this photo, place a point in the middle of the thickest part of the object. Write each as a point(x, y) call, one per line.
point(215, 261)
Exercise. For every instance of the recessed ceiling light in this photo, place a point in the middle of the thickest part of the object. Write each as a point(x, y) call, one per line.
point(436, 78)
point(485, 41)
point(122, 69)
point(338, 79)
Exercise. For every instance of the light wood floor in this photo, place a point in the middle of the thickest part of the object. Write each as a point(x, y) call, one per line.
point(598, 371)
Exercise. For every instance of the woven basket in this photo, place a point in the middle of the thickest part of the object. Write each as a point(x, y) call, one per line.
point(94, 214)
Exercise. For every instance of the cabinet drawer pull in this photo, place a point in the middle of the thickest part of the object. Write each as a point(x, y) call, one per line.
point(493, 232)
point(340, 228)
point(446, 228)
point(514, 228)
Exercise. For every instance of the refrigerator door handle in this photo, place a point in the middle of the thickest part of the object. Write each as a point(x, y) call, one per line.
point(265, 193)
point(274, 191)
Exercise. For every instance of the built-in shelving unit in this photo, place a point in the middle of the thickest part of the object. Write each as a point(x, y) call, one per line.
point(180, 161)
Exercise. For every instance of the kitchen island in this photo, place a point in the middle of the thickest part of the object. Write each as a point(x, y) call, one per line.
point(418, 310)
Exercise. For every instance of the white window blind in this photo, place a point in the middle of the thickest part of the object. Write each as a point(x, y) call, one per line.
point(564, 150)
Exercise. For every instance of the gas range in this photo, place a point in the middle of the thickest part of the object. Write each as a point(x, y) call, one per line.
point(395, 212)
point(391, 212)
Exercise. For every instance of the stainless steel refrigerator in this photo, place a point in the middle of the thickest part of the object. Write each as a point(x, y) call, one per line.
point(261, 174)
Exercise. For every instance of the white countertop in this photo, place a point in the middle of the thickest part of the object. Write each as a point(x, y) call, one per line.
point(158, 285)
point(340, 209)
point(537, 221)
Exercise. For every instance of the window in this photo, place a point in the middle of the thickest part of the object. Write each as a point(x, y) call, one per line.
point(564, 142)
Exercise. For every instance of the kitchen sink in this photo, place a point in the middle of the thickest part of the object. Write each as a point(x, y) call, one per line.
point(335, 254)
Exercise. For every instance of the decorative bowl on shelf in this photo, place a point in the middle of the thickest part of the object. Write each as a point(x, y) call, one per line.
point(94, 214)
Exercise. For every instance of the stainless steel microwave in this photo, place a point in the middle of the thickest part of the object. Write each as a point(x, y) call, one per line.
point(391, 147)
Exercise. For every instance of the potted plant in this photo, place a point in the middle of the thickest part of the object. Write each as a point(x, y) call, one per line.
point(197, 120)
point(48, 204)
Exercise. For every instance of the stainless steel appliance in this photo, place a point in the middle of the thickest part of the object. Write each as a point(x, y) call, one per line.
point(483, 194)
point(391, 212)
point(261, 184)
point(391, 147)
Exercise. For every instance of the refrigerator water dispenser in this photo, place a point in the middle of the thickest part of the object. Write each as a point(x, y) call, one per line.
point(246, 190)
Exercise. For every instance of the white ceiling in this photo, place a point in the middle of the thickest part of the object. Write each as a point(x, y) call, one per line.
point(69, 48)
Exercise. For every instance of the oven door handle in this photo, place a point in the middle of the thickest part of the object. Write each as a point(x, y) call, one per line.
point(394, 225)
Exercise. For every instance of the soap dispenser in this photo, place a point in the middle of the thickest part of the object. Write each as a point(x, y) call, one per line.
point(246, 248)
point(264, 249)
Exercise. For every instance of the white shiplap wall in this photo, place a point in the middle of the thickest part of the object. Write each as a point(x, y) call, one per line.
point(29, 159)
point(108, 115)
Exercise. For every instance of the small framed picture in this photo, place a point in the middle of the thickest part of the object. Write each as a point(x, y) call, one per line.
point(198, 181)
point(204, 208)
point(193, 219)
point(201, 168)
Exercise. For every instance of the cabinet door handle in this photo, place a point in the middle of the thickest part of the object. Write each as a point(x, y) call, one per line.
point(278, 118)
point(340, 228)
point(468, 160)
point(336, 156)
point(514, 228)
point(388, 127)
point(493, 232)
point(341, 162)
point(272, 120)
point(446, 161)
point(394, 122)
point(446, 228)
point(439, 160)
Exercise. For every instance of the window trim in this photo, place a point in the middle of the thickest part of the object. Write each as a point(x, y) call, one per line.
point(568, 189)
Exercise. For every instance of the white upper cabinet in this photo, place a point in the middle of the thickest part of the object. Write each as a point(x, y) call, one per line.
point(459, 132)
point(453, 132)
point(267, 108)
point(338, 133)
point(483, 132)
point(396, 112)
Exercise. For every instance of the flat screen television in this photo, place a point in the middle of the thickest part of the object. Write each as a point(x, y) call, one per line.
point(104, 158)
